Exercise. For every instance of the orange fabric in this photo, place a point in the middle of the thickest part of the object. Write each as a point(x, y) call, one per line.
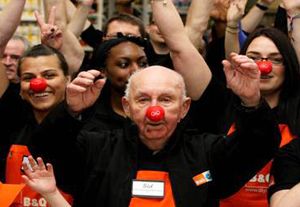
point(254, 193)
point(8, 193)
point(27, 197)
point(167, 201)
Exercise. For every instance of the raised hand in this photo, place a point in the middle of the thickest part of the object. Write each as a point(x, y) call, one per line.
point(51, 34)
point(235, 11)
point(243, 78)
point(39, 177)
point(292, 7)
point(220, 9)
point(83, 91)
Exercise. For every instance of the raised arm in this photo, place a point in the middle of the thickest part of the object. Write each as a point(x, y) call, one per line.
point(293, 11)
point(40, 178)
point(61, 38)
point(9, 21)
point(78, 21)
point(186, 58)
point(253, 18)
point(70, 11)
point(234, 14)
point(197, 20)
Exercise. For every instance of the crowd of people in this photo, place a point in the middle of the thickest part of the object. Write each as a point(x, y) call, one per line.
point(165, 114)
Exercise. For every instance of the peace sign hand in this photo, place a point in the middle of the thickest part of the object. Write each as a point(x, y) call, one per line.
point(51, 34)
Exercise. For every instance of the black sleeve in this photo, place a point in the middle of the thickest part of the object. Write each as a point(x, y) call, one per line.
point(247, 150)
point(12, 117)
point(286, 167)
point(208, 114)
point(281, 20)
point(92, 36)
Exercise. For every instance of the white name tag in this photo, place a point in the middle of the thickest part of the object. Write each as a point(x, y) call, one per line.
point(148, 188)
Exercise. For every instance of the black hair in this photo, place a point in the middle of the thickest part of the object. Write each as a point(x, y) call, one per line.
point(289, 99)
point(101, 53)
point(43, 50)
point(127, 18)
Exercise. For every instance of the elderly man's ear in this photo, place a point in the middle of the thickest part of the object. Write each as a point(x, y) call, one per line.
point(125, 104)
point(185, 107)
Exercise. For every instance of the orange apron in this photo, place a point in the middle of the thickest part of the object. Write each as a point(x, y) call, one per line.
point(254, 192)
point(27, 197)
point(167, 201)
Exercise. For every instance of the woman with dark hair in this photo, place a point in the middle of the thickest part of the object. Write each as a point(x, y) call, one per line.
point(286, 98)
point(43, 74)
point(280, 87)
point(117, 59)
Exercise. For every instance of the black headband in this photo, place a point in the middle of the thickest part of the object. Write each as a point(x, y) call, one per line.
point(100, 54)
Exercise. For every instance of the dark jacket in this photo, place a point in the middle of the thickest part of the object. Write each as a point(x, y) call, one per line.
point(107, 161)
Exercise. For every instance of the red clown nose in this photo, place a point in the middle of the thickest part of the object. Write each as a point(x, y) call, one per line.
point(155, 113)
point(38, 85)
point(265, 67)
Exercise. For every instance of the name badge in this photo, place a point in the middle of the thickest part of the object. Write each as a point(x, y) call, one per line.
point(148, 188)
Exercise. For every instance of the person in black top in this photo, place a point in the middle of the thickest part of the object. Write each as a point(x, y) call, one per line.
point(195, 169)
point(43, 75)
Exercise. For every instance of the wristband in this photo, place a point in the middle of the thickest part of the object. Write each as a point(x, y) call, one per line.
point(261, 6)
point(232, 30)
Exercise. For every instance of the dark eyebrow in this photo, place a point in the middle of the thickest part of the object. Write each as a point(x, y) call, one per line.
point(257, 53)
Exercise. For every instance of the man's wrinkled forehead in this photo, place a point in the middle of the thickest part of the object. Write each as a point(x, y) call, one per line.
point(155, 79)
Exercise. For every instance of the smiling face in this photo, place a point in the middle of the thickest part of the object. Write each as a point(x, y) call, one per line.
point(48, 68)
point(263, 48)
point(156, 86)
point(123, 60)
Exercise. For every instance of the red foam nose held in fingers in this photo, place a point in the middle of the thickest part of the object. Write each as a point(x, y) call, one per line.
point(265, 67)
point(155, 113)
point(38, 85)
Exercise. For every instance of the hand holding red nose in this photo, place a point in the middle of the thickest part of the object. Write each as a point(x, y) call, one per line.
point(38, 85)
point(155, 113)
point(264, 66)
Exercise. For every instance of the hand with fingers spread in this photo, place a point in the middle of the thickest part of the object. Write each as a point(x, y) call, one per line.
point(39, 177)
point(83, 91)
point(243, 78)
point(51, 34)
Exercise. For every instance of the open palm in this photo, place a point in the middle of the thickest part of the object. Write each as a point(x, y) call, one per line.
point(39, 177)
